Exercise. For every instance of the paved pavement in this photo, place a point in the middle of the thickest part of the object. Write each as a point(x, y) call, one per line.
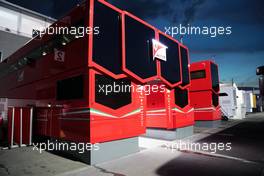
point(25, 161)
point(246, 158)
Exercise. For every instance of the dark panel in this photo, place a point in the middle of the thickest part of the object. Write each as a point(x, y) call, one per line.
point(70, 88)
point(181, 97)
point(215, 99)
point(260, 70)
point(261, 86)
point(138, 48)
point(215, 78)
point(170, 69)
point(107, 44)
point(185, 67)
point(198, 74)
point(118, 95)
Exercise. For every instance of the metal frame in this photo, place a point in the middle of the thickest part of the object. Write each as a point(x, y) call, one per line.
point(12, 144)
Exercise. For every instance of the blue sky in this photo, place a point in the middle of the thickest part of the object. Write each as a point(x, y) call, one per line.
point(237, 54)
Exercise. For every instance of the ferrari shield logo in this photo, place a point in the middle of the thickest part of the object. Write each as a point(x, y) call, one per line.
point(59, 55)
point(159, 50)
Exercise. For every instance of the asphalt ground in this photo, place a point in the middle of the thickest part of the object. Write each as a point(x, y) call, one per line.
point(245, 158)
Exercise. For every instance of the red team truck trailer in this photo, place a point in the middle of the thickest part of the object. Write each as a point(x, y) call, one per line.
point(169, 114)
point(73, 88)
point(204, 93)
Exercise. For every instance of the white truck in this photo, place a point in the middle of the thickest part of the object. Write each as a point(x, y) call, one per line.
point(232, 101)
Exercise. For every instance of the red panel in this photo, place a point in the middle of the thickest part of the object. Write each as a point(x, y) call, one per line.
point(203, 83)
point(156, 108)
point(17, 126)
point(206, 115)
point(201, 93)
point(218, 113)
point(1, 121)
point(156, 120)
point(201, 99)
point(155, 100)
point(183, 119)
point(26, 126)
point(127, 121)
point(47, 122)
point(113, 129)
point(55, 122)
point(167, 114)
point(9, 116)
point(209, 113)
point(75, 128)
point(203, 115)
point(40, 122)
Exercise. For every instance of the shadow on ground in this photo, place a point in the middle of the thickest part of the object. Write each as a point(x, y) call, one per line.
point(247, 142)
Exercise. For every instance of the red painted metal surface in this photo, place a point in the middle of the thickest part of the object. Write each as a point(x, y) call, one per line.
point(17, 127)
point(1, 121)
point(166, 109)
point(203, 91)
point(21, 125)
point(10, 110)
point(163, 112)
point(82, 119)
